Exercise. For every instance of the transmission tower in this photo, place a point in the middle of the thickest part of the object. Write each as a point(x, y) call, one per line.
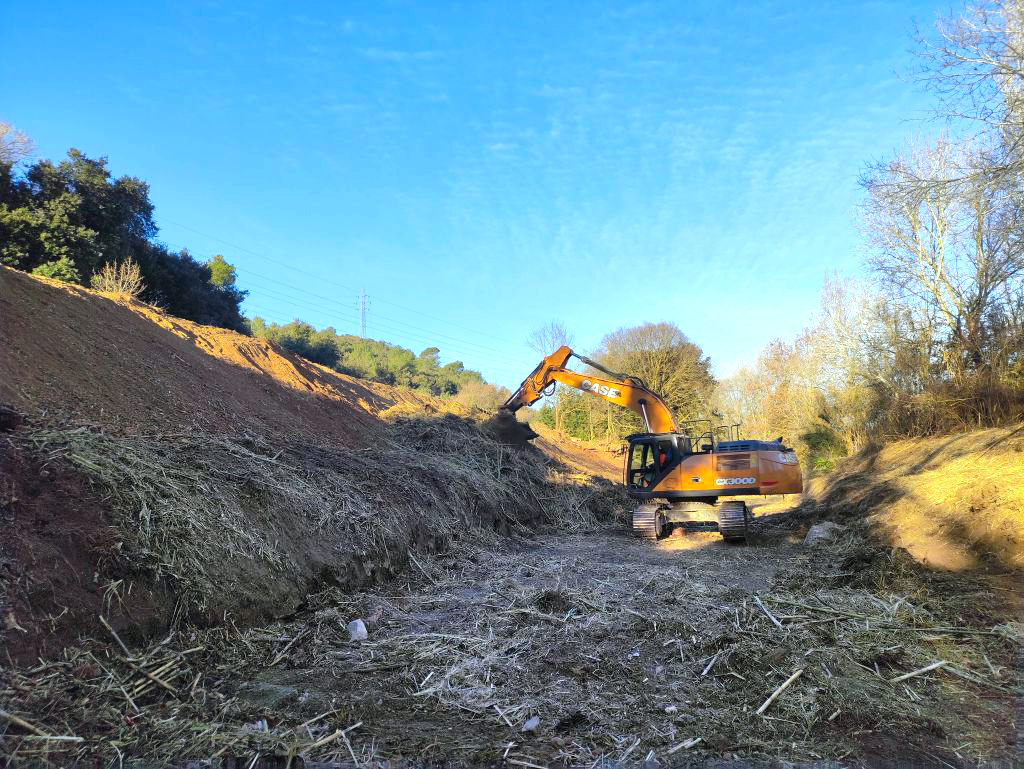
point(363, 304)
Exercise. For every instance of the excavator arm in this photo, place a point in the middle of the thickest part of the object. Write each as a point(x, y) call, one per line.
point(628, 392)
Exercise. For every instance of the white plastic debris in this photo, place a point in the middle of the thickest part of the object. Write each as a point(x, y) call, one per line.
point(531, 725)
point(357, 630)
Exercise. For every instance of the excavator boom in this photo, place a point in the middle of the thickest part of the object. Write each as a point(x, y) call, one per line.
point(628, 392)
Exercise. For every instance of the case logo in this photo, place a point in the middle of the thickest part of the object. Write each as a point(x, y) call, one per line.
point(600, 389)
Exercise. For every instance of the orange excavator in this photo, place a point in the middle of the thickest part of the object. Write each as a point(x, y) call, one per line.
point(678, 472)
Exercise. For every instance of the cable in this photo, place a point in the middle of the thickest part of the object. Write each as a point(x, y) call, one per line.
point(435, 336)
point(492, 362)
point(327, 280)
point(302, 303)
point(392, 322)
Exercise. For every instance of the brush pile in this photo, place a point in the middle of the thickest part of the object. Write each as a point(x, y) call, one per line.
point(577, 650)
point(241, 524)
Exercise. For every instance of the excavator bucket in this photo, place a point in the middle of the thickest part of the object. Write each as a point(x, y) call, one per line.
point(505, 428)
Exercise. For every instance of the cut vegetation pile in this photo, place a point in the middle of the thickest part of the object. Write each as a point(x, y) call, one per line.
point(217, 527)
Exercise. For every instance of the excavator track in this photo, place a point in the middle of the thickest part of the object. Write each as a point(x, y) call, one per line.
point(647, 521)
point(733, 521)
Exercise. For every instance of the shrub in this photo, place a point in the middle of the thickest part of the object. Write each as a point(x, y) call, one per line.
point(59, 269)
point(123, 278)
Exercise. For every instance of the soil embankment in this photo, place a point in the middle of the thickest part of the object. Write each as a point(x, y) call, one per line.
point(66, 351)
point(167, 472)
point(954, 502)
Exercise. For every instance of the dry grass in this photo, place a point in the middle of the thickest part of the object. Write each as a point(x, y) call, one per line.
point(124, 279)
point(226, 521)
point(622, 656)
point(954, 502)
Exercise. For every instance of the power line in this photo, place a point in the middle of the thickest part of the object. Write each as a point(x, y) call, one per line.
point(493, 359)
point(330, 281)
point(340, 310)
point(438, 336)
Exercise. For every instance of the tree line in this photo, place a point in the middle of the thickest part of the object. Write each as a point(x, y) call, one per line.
point(73, 219)
point(931, 338)
point(380, 361)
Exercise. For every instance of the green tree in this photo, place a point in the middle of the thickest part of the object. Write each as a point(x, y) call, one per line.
point(376, 360)
point(667, 361)
point(59, 269)
point(222, 273)
point(76, 210)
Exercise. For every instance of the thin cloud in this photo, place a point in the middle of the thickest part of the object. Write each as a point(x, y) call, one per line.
point(398, 56)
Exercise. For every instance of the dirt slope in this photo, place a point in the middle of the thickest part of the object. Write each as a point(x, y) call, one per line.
point(953, 502)
point(65, 350)
point(168, 470)
point(588, 458)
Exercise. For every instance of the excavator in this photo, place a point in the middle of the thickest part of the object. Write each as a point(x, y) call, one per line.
point(678, 472)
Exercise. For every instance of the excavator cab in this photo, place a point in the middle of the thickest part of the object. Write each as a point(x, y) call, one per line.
point(651, 457)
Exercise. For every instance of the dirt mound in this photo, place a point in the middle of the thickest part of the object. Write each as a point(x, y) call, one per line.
point(594, 459)
point(158, 472)
point(213, 527)
point(119, 363)
point(953, 502)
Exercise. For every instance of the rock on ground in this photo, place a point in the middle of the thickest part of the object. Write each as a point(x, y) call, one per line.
point(821, 532)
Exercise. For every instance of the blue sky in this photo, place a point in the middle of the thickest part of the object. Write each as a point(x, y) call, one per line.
point(481, 168)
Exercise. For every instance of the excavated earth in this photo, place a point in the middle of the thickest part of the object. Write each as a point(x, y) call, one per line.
point(193, 519)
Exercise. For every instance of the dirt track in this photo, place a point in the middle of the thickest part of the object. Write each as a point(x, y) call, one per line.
point(567, 628)
point(625, 651)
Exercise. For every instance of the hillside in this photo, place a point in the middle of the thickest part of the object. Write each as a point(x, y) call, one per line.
point(203, 472)
point(954, 502)
point(69, 351)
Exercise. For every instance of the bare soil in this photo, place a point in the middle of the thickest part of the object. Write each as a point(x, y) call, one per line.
point(66, 351)
point(56, 540)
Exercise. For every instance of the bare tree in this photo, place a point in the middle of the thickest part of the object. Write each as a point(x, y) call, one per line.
point(549, 337)
point(975, 66)
point(949, 253)
point(545, 340)
point(14, 145)
point(124, 278)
